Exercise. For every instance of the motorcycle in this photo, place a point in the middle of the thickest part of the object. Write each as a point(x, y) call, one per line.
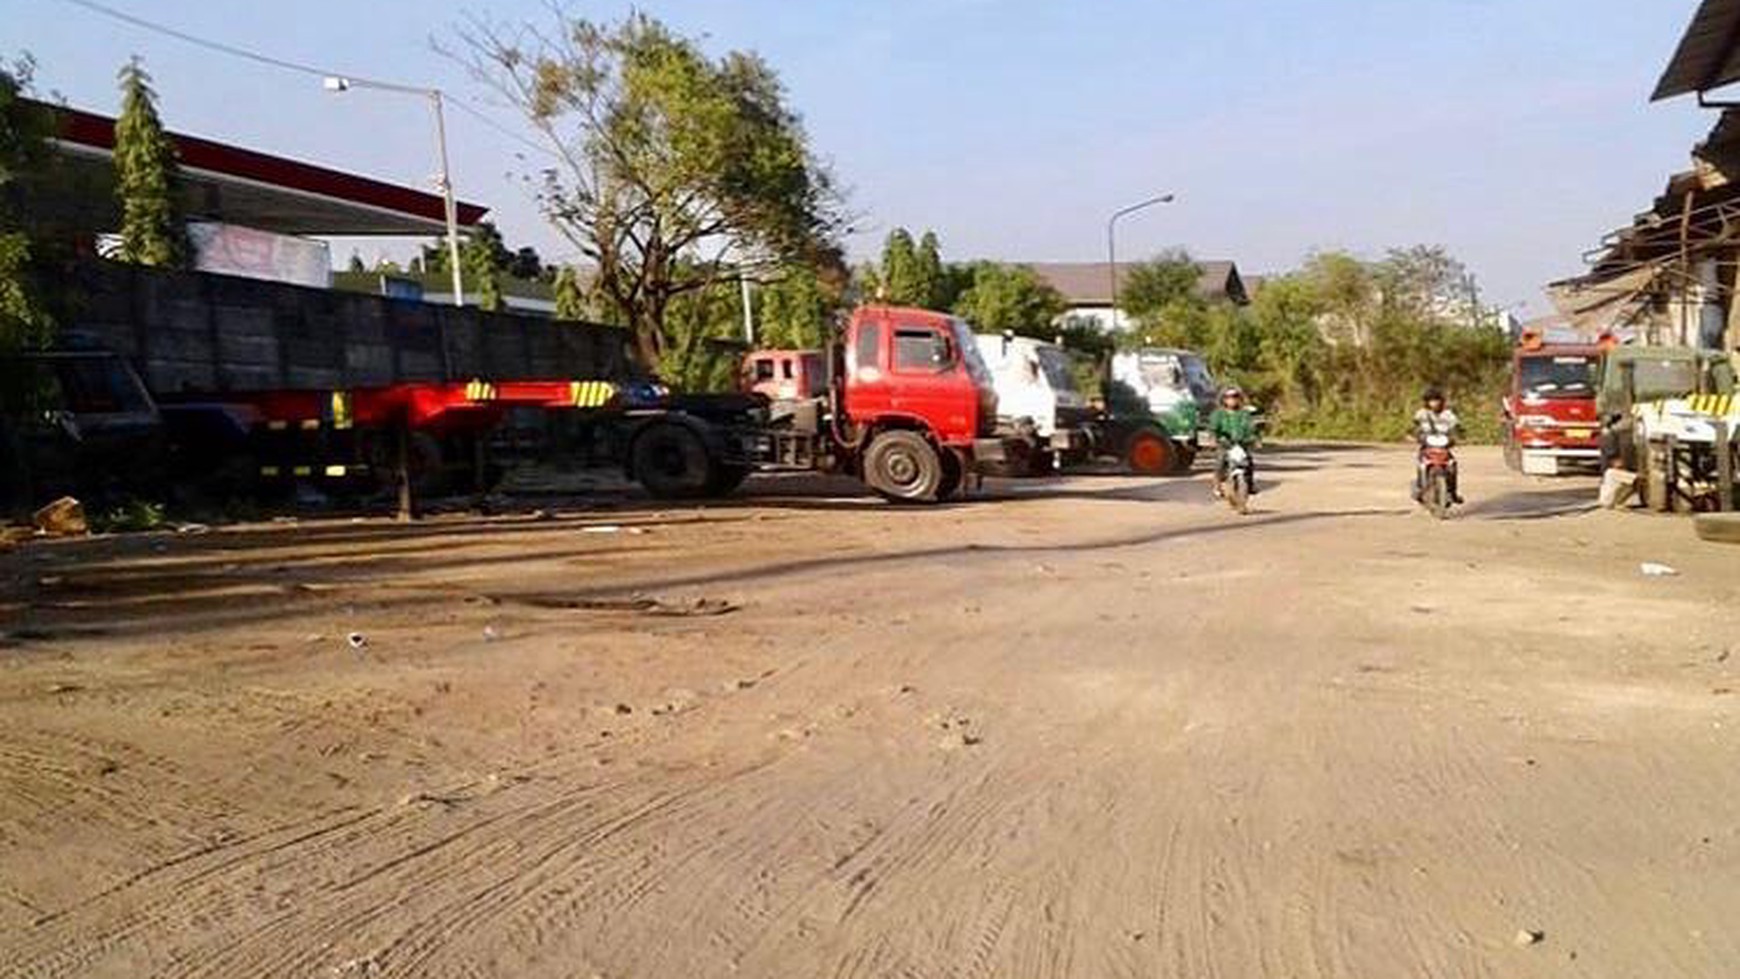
point(1235, 484)
point(1436, 465)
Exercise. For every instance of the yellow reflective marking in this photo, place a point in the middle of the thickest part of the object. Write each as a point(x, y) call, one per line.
point(335, 471)
point(303, 470)
point(341, 417)
point(277, 424)
point(310, 424)
point(591, 394)
point(269, 470)
point(479, 390)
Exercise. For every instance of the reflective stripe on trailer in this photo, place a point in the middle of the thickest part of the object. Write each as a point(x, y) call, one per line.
point(591, 394)
point(479, 390)
point(340, 408)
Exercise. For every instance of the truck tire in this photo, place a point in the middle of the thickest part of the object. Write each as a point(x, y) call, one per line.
point(953, 478)
point(673, 462)
point(1186, 460)
point(1718, 528)
point(1148, 452)
point(726, 478)
point(1512, 452)
point(904, 467)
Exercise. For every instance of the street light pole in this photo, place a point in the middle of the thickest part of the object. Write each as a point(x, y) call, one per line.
point(1112, 243)
point(445, 179)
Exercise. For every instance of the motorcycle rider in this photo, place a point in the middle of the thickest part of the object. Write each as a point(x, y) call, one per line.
point(1231, 425)
point(1435, 418)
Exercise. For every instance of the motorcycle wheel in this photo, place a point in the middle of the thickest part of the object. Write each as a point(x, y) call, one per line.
point(1438, 495)
point(1238, 493)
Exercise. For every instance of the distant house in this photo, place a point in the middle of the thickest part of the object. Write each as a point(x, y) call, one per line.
point(1087, 287)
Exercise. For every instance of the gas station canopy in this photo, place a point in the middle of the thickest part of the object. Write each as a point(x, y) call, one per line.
point(244, 187)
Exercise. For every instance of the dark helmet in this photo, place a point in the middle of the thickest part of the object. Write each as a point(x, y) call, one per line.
point(1433, 393)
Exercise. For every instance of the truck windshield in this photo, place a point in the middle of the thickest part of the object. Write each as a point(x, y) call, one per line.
point(968, 345)
point(1055, 363)
point(1202, 383)
point(1557, 377)
point(1663, 378)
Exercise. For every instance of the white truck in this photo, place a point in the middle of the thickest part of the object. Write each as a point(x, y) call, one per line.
point(1040, 404)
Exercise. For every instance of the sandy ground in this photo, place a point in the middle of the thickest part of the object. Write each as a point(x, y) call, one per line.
point(1094, 727)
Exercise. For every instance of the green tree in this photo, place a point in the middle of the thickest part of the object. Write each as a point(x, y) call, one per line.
point(147, 179)
point(26, 318)
point(797, 311)
point(1160, 296)
point(572, 302)
point(929, 277)
point(674, 171)
point(899, 278)
point(1011, 298)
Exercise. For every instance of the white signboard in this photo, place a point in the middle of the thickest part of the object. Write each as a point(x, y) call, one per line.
point(229, 249)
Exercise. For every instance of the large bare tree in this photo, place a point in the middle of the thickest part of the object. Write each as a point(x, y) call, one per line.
point(672, 170)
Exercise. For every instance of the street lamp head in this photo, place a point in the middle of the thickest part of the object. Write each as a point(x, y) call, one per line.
point(334, 83)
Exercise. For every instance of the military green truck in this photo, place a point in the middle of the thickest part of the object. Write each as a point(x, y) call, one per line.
point(1670, 417)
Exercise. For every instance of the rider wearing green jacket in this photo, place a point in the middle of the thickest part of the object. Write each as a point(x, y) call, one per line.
point(1231, 424)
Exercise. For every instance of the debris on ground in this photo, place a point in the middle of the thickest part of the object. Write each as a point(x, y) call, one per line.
point(1529, 936)
point(64, 517)
point(1650, 569)
point(357, 640)
point(644, 605)
point(611, 528)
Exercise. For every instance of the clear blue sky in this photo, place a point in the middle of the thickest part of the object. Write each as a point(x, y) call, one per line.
point(1515, 132)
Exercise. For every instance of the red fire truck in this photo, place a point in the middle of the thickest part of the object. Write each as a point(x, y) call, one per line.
point(1550, 422)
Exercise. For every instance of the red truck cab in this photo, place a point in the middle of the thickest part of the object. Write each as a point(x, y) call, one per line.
point(785, 375)
point(1550, 421)
point(918, 369)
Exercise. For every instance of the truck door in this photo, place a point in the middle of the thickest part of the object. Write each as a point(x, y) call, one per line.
point(927, 382)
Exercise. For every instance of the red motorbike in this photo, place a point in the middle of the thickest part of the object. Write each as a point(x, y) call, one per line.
point(1437, 476)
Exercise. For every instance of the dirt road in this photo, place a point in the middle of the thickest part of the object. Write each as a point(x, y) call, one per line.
point(1100, 728)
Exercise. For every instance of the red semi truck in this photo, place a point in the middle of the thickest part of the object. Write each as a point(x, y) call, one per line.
point(900, 400)
point(1550, 421)
point(904, 403)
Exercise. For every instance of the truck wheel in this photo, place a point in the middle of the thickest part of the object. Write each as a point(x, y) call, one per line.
point(726, 478)
point(1149, 453)
point(1512, 453)
point(904, 467)
point(1186, 460)
point(954, 475)
point(673, 463)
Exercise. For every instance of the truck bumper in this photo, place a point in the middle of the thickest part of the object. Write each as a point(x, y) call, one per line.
point(993, 450)
point(1550, 461)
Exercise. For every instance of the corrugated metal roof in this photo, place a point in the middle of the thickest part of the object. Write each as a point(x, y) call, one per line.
point(1709, 53)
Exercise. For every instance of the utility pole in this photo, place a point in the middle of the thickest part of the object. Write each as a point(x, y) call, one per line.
point(1112, 244)
point(444, 179)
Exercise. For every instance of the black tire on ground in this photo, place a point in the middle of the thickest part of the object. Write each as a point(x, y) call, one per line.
point(1148, 452)
point(428, 464)
point(726, 478)
point(1718, 528)
point(1438, 495)
point(1186, 460)
point(1238, 493)
point(954, 476)
point(673, 462)
point(904, 467)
